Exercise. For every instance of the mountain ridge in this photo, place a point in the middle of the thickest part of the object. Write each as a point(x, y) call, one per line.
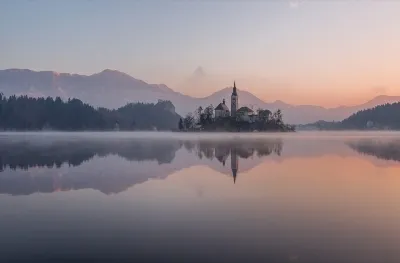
point(112, 89)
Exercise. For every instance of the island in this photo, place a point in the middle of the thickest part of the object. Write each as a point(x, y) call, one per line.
point(237, 119)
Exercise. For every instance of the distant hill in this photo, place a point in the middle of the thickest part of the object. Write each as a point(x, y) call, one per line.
point(114, 89)
point(386, 116)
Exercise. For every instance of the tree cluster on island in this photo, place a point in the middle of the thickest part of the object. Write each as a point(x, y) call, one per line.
point(382, 117)
point(27, 113)
point(205, 120)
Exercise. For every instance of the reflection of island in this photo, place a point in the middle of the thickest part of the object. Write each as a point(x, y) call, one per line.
point(386, 150)
point(239, 149)
point(28, 167)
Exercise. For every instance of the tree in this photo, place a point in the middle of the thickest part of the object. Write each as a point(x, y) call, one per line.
point(198, 115)
point(199, 110)
point(277, 117)
point(263, 115)
point(209, 113)
point(189, 121)
point(180, 124)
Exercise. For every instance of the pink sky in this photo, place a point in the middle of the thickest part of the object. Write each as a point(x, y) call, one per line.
point(326, 53)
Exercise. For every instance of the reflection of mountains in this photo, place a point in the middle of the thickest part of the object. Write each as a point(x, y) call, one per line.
point(79, 164)
point(387, 150)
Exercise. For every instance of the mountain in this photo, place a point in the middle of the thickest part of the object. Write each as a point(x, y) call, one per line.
point(109, 88)
point(200, 83)
point(379, 100)
point(199, 73)
point(113, 89)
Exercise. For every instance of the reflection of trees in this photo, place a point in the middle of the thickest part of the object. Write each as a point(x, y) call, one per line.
point(160, 151)
point(189, 145)
point(25, 154)
point(389, 150)
point(222, 153)
point(269, 148)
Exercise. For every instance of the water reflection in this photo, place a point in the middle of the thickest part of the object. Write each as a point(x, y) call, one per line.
point(27, 153)
point(28, 167)
point(284, 199)
point(387, 150)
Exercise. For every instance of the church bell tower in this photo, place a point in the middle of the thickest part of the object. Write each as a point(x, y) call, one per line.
point(234, 101)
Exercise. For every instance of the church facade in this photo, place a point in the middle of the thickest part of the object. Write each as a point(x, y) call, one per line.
point(222, 111)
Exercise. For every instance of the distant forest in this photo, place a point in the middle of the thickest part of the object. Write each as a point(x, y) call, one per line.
point(27, 113)
point(382, 117)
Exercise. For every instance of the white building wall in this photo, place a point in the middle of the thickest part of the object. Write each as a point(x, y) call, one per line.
point(219, 113)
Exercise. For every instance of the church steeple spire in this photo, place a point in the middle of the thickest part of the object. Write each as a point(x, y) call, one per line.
point(234, 92)
point(234, 100)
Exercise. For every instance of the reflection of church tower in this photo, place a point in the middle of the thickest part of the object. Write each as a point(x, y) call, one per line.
point(234, 163)
point(234, 101)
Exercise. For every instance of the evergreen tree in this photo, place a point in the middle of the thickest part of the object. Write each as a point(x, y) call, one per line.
point(180, 124)
point(189, 121)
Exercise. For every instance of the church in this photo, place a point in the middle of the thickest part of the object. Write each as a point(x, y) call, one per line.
point(242, 114)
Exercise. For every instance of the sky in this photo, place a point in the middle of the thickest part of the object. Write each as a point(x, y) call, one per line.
point(326, 53)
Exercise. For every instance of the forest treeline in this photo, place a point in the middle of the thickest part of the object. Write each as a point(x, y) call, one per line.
point(382, 117)
point(386, 116)
point(28, 113)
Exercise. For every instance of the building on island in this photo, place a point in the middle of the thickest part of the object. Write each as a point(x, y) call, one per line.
point(222, 111)
point(234, 101)
point(241, 114)
point(245, 114)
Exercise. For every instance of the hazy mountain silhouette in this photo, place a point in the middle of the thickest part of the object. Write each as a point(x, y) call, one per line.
point(112, 89)
point(200, 83)
point(199, 72)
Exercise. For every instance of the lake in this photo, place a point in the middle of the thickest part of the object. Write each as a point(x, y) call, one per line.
point(176, 197)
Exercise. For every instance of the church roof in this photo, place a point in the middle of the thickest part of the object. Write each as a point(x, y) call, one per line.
point(245, 109)
point(222, 106)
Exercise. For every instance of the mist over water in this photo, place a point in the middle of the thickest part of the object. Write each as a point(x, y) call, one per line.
point(187, 197)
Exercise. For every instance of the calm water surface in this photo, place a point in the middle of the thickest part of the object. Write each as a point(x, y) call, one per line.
point(157, 197)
